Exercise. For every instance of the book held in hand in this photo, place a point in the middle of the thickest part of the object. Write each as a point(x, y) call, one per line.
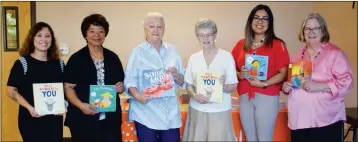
point(208, 84)
point(298, 72)
point(103, 97)
point(49, 98)
point(156, 81)
point(257, 66)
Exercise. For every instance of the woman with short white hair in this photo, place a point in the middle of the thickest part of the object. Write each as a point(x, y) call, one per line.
point(206, 120)
point(155, 118)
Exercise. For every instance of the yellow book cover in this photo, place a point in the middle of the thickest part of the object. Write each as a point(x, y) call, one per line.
point(298, 72)
point(208, 84)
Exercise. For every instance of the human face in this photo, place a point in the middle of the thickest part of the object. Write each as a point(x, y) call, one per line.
point(95, 35)
point(42, 40)
point(154, 29)
point(312, 31)
point(260, 22)
point(206, 37)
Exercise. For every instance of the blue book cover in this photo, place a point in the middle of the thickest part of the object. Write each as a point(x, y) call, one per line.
point(156, 81)
point(257, 66)
point(103, 97)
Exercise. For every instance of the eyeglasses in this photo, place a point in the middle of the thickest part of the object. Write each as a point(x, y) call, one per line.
point(263, 19)
point(210, 35)
point(308, 30)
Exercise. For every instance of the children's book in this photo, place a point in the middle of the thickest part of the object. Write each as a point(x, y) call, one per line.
point(103, 97)
point(156, 81)
point(298, 72)
point(49, 98)
point(208, 84)
point(257, 66)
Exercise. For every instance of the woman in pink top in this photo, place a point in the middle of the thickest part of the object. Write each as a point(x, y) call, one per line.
point(316, 110)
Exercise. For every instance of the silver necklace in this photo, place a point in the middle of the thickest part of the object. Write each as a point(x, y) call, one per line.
point(215, 51)
point(96, 59)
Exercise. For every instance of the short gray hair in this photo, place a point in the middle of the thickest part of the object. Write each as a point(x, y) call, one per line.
point(204, 23)
point(152, 15)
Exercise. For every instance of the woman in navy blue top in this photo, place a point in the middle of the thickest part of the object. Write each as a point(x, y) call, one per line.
point(93, 65)
point(39, 63)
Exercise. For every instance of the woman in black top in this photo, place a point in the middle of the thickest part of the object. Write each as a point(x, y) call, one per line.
point(39, 63)
point(93, 65)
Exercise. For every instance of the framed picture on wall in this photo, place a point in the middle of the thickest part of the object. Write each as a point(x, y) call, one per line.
point(11, 28)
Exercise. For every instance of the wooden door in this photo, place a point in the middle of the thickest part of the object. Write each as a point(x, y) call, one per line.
point(9, 109)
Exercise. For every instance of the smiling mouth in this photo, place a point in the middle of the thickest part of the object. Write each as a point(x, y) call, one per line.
point(43, 44)
point(259, 26)
point(311, 37)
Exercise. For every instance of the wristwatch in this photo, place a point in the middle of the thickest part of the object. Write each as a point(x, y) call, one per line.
point(265, 84)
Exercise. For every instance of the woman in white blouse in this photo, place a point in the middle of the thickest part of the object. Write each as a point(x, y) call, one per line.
point(206, 120)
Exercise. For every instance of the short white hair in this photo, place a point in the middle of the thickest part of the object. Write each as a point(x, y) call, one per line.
point(153, 15)
point(205, 23)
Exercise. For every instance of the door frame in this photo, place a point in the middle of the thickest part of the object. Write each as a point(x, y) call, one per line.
point(2, 36)
point(33, 22)
point(33, 12)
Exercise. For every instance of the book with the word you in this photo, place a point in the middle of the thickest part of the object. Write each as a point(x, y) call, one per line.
point(49, 98)
point(103, 97)
point(156, 82)
point(257, 66)
point(208, 84)
point(298, 72)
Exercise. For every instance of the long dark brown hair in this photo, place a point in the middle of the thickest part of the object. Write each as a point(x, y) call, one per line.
point(28, 46)
point(269, 34)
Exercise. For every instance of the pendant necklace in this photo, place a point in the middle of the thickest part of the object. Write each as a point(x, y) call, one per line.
point(256, 45)
point(208, 65)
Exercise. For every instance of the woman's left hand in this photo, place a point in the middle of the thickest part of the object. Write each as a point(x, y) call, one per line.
point(174, 73)
point(119, 87)
point(256, 83)
point(311, 86)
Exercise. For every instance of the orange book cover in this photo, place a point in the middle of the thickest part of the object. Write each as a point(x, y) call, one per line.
point(298, 72)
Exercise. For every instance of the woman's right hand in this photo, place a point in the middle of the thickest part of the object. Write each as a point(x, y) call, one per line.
point(142, 98)
point(33, 112)
point(200, 98)
point(244, 72)
point(88, 109)
point(286, 88)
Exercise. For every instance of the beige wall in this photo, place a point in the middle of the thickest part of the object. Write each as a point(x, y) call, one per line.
point(126, 30)
point(342, 26)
